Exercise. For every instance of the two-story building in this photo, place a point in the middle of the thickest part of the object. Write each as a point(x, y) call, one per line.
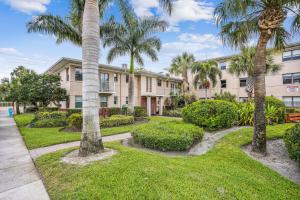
point(284, 84)
point(151, 89)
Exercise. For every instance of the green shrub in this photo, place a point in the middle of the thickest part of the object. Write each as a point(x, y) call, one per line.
point(292, 142)
point(75, 121)
point(140, 112)
point(272, 114)
point(72, 111)
point(173, 113)
point(292, 110)
point(167, 136)
point(47, 123)
point(211, 114)
point(246, 113)
point(277, 103)
point(116, 120)
point(31, 109)
point(48, 109)
point(114, 111)
point(51, 115)
point(225, 96)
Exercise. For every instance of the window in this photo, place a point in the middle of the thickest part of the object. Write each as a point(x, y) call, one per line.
point(223, 83)
point(103, 101)
point(148, 84)
point(158, 82)
point(243, 82)
point(167, 84)
point(115, 100)
point(291, 55)
point(67, 74)
point(78, 74)
point(291, 101)
point(127, 78)
point(293, 78)
point(78, 101)
point(116, 77)
point(223, 66)
point(126, 101)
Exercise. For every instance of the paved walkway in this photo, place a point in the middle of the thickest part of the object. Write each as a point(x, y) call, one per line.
point(35, 153)
point(19, 178)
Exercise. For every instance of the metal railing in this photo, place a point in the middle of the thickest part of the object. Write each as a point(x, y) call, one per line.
point(107, 86)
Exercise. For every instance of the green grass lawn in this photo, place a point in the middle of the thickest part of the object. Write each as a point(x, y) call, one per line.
point(225, 172)
point(41, 137)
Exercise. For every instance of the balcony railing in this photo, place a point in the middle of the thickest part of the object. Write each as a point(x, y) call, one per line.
point(107, 86)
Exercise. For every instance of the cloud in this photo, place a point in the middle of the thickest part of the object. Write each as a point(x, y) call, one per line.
point(28, 6)
point(9, 51)
point(143, 7)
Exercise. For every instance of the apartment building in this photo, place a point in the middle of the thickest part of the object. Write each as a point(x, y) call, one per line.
point(151, 89)
point(284, 84)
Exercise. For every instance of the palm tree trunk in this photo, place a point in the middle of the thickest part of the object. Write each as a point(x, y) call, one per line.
point(259, 136)
point(249, 88)
point(91, 141)
point(131, 87)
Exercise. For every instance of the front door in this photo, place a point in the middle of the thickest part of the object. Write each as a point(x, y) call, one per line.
point(153, 105)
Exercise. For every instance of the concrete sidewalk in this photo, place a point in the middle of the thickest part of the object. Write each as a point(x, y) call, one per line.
point(19, 178)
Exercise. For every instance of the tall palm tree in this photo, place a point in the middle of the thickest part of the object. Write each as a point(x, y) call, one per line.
point(244, 64)
point(180, 66)
point(134, 37)
point(205, 74)
point(241, 20)
point(90, 139)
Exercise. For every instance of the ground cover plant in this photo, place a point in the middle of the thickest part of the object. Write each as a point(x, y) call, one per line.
point(225, 172)
point(292, 142)
point(211, 114)
point(41, 137)
point(167, 136)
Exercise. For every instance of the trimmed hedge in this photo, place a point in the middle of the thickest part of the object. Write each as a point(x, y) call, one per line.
point(211, 114)
point(292, 142)
point(50, 115)
point(173, 113)
point(48, 123)
point(140, 112)
point(167, 136)
point(116, 120)
point(75, 121)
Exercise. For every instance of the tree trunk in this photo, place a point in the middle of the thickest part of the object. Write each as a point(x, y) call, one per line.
point(249, 88)
point(259, 136)
point(17, 107)
point(131, 87)
point(91, 141)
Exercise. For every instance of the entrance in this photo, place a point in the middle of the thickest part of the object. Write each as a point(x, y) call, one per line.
point(153, 104)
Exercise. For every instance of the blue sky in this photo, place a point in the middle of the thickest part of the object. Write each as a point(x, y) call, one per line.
point(191, 29)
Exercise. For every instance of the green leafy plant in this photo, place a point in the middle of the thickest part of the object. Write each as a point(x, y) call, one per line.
point(277, 103)
point(211, 114)
point(272, 114)
point(47, 123)
point(116, 120)
point(246, 113)
point(50, 115)
point(140, 112)
point(292, 142)
point(75, 121)
point(225, 96)
point(173, 113)
point(167, 136)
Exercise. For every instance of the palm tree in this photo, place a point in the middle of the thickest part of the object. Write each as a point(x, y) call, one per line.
point(133, 37)
point(243, 64)
point(241, 20)
point(180, 66)
point(206, 73)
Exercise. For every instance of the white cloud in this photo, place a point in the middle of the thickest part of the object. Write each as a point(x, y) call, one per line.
point(143, 7)
point(28, 6)
point(9, 51)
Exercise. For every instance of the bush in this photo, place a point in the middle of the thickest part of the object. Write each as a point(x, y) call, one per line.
point(50, 115)
point(173, 113)
point(116, 120)
point(48, 109)
point(277, 103)
point(75, 121)
point(246, 113)
point(292, 142)
point(31, 109)
point(72, 111)
point(225, 96)
point(114, 111)
point(47, 123)
point(272, 114)
point(211, 114)
point(167, 136)
point(140, 112)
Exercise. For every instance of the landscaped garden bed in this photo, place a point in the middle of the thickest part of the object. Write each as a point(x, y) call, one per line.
point(167, 136)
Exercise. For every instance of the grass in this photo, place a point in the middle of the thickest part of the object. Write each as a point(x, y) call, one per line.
point(41, 137)
point(225, 172)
